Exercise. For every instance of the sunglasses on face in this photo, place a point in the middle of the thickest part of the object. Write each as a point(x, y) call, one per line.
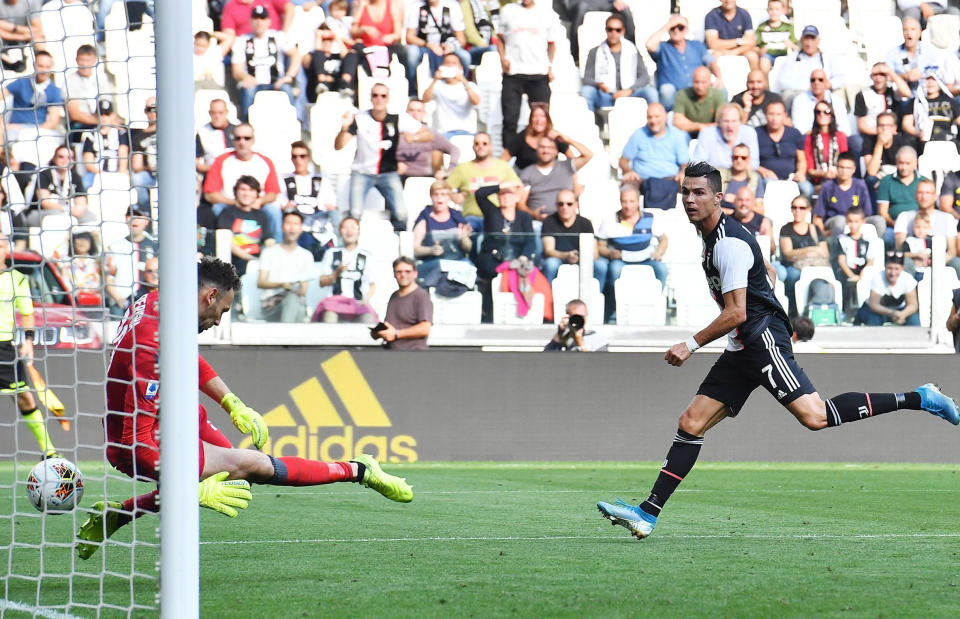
point(824, 112)
point(559, 203)
point(799, 208)
point(298, 156)
point(378, 95)
point(817, 79)
point(242, 138)
point(614, 29)
point(150, 108)
point(741, 157)
point(679, 28)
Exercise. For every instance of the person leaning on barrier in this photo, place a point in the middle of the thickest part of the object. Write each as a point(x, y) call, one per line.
point(572, 334)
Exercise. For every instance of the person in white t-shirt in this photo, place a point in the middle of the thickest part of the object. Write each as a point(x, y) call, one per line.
point(941, 224)
point(258, 61)
point(83, 89)
point(455, 96)
point(285, 269)
point(433, 28)
point(893, 297)
point(526, 47)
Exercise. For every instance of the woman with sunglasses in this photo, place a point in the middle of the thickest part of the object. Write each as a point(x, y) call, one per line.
point(823, 145)
point(800, 245)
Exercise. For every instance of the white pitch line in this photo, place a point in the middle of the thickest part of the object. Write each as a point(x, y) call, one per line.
point(601, 491)
point(36, 611)
point(359, 540)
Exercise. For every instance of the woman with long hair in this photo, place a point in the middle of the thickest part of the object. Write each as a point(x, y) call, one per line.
point(59, 189)
point(523, 146)
point(823, 144)
point(800, 246)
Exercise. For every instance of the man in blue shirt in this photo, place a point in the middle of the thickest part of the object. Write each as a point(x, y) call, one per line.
point(728, 31)
point(36, 100)
point(716, 143)
point(677, 58)
point(781, 147)
point(655, 151)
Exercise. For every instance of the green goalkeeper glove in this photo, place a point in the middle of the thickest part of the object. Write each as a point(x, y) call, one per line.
point(224, 496)
point(246, 420)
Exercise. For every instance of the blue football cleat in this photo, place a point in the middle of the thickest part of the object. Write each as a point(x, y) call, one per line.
point(935, 403)
point(638, 522)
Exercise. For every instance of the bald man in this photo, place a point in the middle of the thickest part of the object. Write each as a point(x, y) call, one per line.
point(696, 107)
point(755, 98)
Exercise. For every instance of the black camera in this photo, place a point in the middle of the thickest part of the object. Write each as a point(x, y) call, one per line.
point(376, 329)
point(576, 322)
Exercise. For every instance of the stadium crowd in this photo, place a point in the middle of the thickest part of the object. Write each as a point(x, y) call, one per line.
point(488, 142)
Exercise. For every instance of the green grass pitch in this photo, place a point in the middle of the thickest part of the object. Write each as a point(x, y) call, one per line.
point(525, 539)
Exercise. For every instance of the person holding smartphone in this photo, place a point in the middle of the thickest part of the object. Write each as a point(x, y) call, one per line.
point(572, 334)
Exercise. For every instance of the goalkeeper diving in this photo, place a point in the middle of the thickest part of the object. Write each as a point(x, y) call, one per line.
point(132, 423)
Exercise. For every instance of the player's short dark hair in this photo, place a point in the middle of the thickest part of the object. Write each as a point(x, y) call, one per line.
point(803, 327)
point(774, 102)
point(203, 36)
point(847, 156)
point(300, 144)
point(249, 181)
point(887, 113)
point(215, 273)
point(86, 48)
point(42, 52)
point(856, 210)
point(405, 260)
point(614, 17)
point(294, 212)
point(701, 169)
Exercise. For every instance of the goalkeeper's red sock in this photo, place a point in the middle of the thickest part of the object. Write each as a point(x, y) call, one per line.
point(134, 507)
point(293, 471)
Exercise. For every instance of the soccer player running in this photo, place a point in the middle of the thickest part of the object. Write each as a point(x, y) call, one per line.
point(759, 353)
point(15, 297)
point(132, 423)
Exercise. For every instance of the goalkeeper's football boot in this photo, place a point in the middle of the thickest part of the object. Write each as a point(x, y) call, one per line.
point(393, 487)
point(936, 403)
point(638, 522)
point(106, 514)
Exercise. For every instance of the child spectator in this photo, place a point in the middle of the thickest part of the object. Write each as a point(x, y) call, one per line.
point(81, 271)
point(919, 244)
point(775, 36)
point(852, 257)
point(208, 69)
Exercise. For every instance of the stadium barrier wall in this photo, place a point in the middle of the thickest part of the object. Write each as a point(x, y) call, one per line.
point(459, 405)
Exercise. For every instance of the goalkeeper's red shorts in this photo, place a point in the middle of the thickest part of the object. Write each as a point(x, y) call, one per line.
point(142, 461)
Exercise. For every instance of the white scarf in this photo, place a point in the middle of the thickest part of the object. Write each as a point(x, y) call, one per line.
point(605, 72)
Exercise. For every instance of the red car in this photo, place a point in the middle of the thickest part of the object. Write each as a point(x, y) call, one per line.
point(62, 321)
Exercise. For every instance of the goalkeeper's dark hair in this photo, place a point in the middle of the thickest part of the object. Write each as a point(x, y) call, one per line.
point(701, 169)
point(215, 273)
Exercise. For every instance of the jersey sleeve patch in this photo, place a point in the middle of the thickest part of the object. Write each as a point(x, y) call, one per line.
point(733, 259)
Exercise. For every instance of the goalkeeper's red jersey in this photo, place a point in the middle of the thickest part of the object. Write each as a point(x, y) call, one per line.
point(133, 380)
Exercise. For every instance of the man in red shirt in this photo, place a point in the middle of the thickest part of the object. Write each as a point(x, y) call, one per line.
point(133, 417)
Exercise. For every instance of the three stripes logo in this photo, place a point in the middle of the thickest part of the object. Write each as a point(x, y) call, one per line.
point(302, 434)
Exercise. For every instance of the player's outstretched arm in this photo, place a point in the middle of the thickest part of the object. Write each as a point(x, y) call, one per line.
point(733, 315)
point(224, 496)
point(243, 417)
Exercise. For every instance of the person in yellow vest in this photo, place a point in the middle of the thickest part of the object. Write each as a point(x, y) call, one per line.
point(15, 297)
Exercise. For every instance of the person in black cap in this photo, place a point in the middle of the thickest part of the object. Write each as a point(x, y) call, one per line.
point(794, 76)
point(258, 61)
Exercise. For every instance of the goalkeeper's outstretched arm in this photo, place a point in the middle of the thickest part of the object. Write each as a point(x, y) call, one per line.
point(243, 417)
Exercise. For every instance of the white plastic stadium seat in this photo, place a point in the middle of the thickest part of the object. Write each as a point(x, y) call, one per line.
point(505, 307)
point(65, 28)
point(776, 202)
point(695, 11)
point(640, 298)
point(416, 196)
point(695, 304)
point(566, 288)
point(590, 34)
point(807, 275)
point(463, 310)
point(734, 70)
point(948, 283)
point(627, 116)
point(250, 294)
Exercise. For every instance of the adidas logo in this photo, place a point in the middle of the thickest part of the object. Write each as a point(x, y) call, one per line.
point(780, 394)
point(300, 434)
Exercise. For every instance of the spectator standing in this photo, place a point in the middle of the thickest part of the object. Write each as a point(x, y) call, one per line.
point(284, 271)
point(243, 160)
point(480, 18)
point(793, 78)
point(417, 156)
point(375, 163)
point(107, 149)
point(696, 107)
point(215, 137)
point(524, 145)
point(781, 148)
point(439, 233)
point(800, 246)
point(125, 261)
point(755, 98)
point(258, 61)
point(775, 37)
point(913, 56)
point(614, 69)
point(508, 231)
point(716, 143)
point(852, 258)
point(455, 98)
point(249, 225)
point(347, 269)
point(561, 237)
point(803, 109)
point(823, 145)
point(312, 196)
point(143, 147)
point(893, 297)
point(483, 171)
point(409, 311)
point(654, 159)
point(677, 59)
point(631, 236)
point(728, 31)
point(549, 176)
point(37, 101)
point(739, 175)
point(526, 47)
point(59, 189)
point(897, 193)
point(941, 224)
point(877, 98)
point(434, 28)
point(839, 195)
point(572, 334)
point(83, 91)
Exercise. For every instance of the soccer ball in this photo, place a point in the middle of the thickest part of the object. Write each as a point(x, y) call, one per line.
point(55, 485)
